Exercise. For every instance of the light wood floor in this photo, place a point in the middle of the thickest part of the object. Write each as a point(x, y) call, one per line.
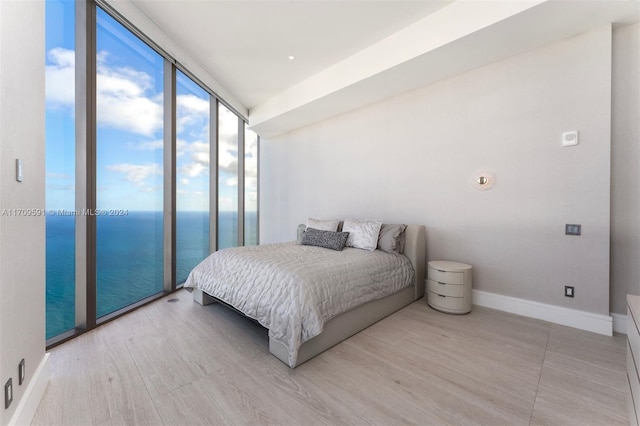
point(181, 363)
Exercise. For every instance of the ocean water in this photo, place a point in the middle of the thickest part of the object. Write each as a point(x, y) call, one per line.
point(129, 258)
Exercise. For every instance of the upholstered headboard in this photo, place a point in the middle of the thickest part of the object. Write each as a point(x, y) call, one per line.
point(415, 248)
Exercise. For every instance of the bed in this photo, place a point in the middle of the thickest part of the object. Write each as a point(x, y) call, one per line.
point(294, 333)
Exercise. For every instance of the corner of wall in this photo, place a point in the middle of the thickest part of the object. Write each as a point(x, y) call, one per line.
point(29, 403)
point(22, 242)
point(625, 174)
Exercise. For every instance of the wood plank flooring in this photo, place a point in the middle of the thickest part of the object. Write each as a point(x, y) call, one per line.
point(184, 364)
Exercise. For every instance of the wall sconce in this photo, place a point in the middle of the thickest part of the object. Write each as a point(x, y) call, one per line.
point(483, 180)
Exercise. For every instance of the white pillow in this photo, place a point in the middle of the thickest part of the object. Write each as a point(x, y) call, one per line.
point(363, 234)
point(323, 225)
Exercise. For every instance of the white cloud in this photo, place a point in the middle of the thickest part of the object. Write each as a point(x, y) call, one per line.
point(154, 188)
point(232, 181)
point(227, 123)
point(193, 169)
point(199, 158)
point(251, 168)
point(125, 96)
point(147, 145)
point(228, 140)
point(180, 147)
point(251, 183)
point(63, 58)
point(121, 105)
point(251, 152)
point(136, 173)
point(184, 181)
point(127, 101)
point(52, 175)
point(122, 82)
point(228, 162)
point(193, 116)
point(60, 78)
point(192, 104)
point(197, 146)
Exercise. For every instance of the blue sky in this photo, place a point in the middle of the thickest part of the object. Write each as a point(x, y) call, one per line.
point(130, 125)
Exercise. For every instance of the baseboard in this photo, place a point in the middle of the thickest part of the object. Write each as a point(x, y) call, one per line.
point(619, 323)
point(31, 399)
point(601, 324)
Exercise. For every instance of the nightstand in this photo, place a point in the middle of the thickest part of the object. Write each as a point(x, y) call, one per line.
point(449, 286)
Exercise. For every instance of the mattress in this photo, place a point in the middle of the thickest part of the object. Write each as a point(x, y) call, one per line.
point(293, 290)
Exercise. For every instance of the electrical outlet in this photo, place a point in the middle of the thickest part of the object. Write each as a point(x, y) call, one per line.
point(568, 291)
point(572, 229)
point(8, 393)
point(21, 372)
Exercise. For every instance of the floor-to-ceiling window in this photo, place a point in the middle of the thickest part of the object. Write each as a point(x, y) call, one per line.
point(60, 166)
point(129, 167)
point(192, 175)
point(227, 177)
point(132, 155)
point(250, 187)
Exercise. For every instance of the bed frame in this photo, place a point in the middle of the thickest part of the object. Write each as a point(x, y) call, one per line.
point(351, 322)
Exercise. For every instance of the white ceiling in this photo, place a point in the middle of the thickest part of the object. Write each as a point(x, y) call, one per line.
point(350, 52)
point(245, 45)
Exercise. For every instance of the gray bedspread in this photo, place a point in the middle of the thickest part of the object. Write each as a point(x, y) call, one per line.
point(293, 290)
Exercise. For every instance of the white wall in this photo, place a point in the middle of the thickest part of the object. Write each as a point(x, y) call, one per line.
point(22, 239)
point(410, 159)
point(625, 171)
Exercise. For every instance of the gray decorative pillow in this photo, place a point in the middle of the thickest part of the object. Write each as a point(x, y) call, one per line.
point(391, 238)
point(326, 239)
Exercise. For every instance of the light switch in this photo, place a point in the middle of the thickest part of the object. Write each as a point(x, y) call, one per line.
point(19, 170)
point(570, 138)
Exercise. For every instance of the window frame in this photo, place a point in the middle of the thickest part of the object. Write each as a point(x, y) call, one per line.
point(86, 169)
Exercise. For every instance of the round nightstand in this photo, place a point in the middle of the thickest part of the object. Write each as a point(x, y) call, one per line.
point(449, 286)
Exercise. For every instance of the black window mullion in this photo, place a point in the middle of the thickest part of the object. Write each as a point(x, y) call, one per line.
point(213, 174)
point(241, 150)
point(85, 122)
point(169, 152)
